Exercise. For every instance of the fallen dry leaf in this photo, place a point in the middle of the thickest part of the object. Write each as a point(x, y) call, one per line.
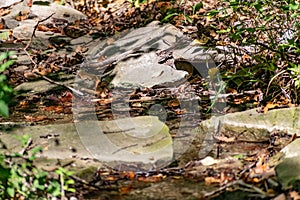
point(34, 119)
point(151, 179)
point(126, 189)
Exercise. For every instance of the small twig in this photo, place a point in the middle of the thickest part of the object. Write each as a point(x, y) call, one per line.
point(61, 84)
point(119, 131)
point(122, 148)
point(34, 30)
point(35, 64)
point(29, 142)
point(116, 59)
point(272, 79)
point(238, 182)
point(84, 182)
point(31, 38)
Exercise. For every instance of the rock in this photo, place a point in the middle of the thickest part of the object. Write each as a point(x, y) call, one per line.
point(145, 70)
point(21, 68)
point(34, 87)
point(23, 60)
point(11, 23)
point(56, 141)
point(288, 173)
point(8, 3)
point(292, 150)
point(61, 12)
point(288, 170)
point(285, 119)
point(42, 11)
point(254, 126)
point(83, 40)
point(39, 86)
point(23, 30)
point(10, 19)
point(143, 142)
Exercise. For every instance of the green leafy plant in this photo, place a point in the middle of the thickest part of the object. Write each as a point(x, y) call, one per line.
point(177, 11)
point(5, 90)
point(263, 37)
point(21, 179)
point(295, 72)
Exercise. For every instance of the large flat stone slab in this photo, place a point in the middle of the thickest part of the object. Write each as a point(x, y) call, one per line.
point(248, 125)
point(138, 61)
point(142, 141)
point(146, 72)
point(8, 3)
point(286, 119)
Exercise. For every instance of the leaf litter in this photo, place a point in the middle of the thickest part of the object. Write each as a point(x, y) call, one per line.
point(248, 168)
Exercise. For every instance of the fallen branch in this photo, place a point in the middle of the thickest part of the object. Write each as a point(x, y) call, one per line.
point(34, 30)
point(242, 183)
point(61, 84)
point(28, 144)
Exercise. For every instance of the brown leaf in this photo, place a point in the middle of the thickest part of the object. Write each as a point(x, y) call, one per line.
point(4, 12)
point(211, 180)
point(128, 175)
point(67, 97)
point(44, 28)
point(30, 75)
point(173, 103)
point(269, 106)
point(22, 15)
point(29, 3)
point(34, 119)
point(151, 179)
point(126, 189)
point(56, 109)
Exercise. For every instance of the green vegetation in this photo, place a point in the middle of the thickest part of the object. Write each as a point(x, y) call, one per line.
point(21, 179)
point(265, 38)
point(6, 91)
point(188, 15)
point(261, 38)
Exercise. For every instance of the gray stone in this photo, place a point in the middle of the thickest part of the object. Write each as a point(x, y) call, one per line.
point(34, 87)
point(21, 68)
point(41, 40)
point(58, 142)
point(61, 12)
point(39, 86)
point(7, 3)
point(23, 30)
point(10, 19)
point(23, 60)
point(288, 170)
point(144, 70)
point(41, 12)
point(286, 119)
point(141, 140)
point(83, 40)
point(288, 173)
point(292, 150)
point(254, 126)
point(11, 23)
